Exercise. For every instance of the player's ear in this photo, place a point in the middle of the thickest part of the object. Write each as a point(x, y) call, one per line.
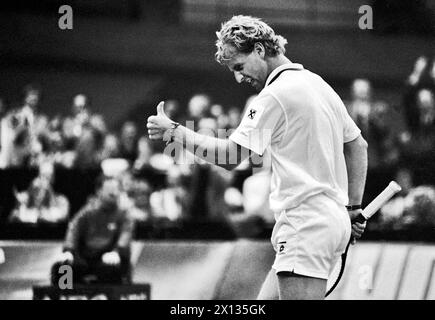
point(260, 49)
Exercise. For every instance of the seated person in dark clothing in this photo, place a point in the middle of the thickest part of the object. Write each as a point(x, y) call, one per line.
point(98, 240)
point(417, 147)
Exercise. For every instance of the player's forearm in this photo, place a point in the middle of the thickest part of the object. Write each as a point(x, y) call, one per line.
point(355, 153)
point(221, 152)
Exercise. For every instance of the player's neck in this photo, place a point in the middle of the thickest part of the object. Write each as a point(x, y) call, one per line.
point(275, 62)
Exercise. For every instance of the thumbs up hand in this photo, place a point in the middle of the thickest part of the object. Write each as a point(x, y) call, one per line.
point(157, 125)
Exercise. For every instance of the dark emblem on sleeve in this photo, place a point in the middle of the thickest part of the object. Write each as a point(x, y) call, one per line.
point(252, 113)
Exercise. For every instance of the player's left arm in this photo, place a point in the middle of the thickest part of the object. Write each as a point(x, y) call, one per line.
point(355, 153)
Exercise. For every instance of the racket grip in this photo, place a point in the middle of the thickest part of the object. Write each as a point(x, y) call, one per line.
point(359, 218)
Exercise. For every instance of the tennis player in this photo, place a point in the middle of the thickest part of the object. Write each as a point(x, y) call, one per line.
point(319, 158)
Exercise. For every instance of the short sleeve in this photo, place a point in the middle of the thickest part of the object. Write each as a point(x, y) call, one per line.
point(259, 124)
point(350, 129)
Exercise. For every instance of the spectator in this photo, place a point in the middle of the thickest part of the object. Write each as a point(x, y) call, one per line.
point(418, 144)
point(145, 152)
point(81, 113)
point(198, 107)
point(171, 203)
point(419, 210)
point(127, 181)
point(393, 209)
point(380, 124)
point(97, 122)
point(216, 110)
point(255, 202)
point(40, 203)
point(69, 137)
point(405, 180)
point(98, 240)
point(89, 148)
point(140, 194)
point(426, 108)
point(80, 105)
point(208, 126)
point(361, 104)
point(19, 143)
point(50, 135)
point(413, 209)
point(172, 107)
point(234, 117)
point(128, 142)
point(208, 183)
point(32, 97)
point(111, 148)
point(384, 127)
point(422, 77)
point(66, 154)
point(16, 144)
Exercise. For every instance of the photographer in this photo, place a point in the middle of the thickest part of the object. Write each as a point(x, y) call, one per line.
point(98, 240)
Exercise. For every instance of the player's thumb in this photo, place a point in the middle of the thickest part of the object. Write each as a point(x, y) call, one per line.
point(160, 110)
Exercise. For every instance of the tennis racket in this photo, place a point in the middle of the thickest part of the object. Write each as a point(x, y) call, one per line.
point(366, 214)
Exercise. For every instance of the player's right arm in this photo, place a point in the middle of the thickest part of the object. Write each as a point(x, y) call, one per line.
point(222, 152)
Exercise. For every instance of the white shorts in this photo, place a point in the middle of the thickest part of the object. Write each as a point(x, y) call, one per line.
point(309, 239)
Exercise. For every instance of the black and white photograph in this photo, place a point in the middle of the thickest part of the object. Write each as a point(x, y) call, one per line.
point(228, 152)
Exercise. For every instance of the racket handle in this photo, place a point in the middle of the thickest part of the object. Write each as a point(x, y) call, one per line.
point(359, 218)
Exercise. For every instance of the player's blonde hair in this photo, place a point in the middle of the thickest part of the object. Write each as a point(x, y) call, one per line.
point(242, 32)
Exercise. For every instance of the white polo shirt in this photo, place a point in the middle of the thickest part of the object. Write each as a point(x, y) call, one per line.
point(305, 124)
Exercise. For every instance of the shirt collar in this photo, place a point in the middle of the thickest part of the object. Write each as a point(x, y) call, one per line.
point(291, 65)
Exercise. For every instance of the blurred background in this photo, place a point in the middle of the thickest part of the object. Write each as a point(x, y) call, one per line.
point(74, 103)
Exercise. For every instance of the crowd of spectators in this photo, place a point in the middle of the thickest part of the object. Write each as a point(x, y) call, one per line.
point(401, 145)
point(401, 140)
point(156, 186)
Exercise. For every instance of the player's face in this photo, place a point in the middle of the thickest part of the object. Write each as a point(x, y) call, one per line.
point(250, 67)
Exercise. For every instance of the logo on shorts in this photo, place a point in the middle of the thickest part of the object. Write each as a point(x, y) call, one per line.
point(281, 246)
point(252, 113)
